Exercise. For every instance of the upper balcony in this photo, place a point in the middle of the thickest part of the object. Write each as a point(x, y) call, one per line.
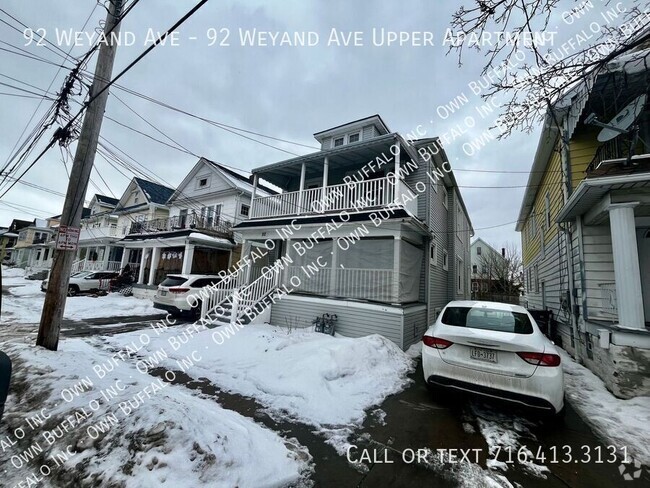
point(354, 177)
point(102, 232)
point(212, 224)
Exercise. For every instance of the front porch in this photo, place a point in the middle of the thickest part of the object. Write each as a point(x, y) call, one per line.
point(152, 259)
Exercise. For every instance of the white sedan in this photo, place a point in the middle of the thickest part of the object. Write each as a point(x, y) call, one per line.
point(494, 350)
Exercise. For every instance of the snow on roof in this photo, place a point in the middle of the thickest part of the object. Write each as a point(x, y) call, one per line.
point(206, 238)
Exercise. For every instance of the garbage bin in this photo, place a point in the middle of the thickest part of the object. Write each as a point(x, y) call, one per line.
point(5, 377)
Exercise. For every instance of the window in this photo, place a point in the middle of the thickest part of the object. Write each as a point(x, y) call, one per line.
point(445, 260)
point(478, 251)
point(244, 210)
point(459, 273)
point(484, 287)
point(433, 254)
point(474, 268)
point(536, 274)
point(547, 210)
point(480, 317)
point(475, 286)
point(338, 141)
point(445, 197)
point(203, 182)
point(354, 137)
point(533, 225)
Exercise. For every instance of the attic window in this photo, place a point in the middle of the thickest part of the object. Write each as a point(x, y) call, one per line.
point(354, 138)
point(203, 182)
point(338, 141)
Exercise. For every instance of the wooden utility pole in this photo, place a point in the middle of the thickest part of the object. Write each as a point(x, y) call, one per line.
point(57, 288)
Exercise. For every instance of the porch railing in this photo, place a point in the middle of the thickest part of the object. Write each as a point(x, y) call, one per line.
point(360, 283)
point(214, 224)
point(355, 196)
point(85, 265)
point(222, 290)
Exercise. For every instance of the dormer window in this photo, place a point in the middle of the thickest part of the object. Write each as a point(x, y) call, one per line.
point(354, 137)
point(338, 141)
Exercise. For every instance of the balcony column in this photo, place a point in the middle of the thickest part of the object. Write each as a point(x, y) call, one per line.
point(397, 257)
point(627, 273)
point(143, 260)
point(155, 259)
point(302, 188)
point(334, 267)
point(188, 257)
point(326, 165)
point(398, 182)
point(253, 195)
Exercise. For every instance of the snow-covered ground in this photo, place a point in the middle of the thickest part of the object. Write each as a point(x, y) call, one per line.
point(24, 303)
point(328, 382)
point(125, 426)
point(619, 422)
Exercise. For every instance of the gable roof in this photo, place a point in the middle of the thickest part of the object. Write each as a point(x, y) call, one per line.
point(154, 192)
point(240, 181)
point(106, 200)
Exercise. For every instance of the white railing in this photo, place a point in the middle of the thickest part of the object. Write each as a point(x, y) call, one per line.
point(356, 196)
point(246, 297)
point(85, 265)
point(78, 266)
point(222, 290)
point(361, 283)
point(609, 305)
point(88, 233)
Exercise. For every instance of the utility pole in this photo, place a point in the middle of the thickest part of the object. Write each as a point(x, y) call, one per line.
point(57, 288)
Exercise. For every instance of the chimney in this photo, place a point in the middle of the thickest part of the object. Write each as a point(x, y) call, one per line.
point(503, 252)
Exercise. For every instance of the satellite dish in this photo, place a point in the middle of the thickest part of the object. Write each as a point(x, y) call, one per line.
point(623, 121)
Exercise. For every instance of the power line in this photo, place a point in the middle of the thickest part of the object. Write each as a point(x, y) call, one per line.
point(107, 86)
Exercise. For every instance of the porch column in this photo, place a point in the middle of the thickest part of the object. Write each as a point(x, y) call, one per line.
point(396, 267)
point(246, 248)
point(188, 257)
point(251, 213)
point(143, 260)
point(326, 165)
point(107, 252)
point(125, 257)
point(303, 170)
point(626, 265)
point(398, 181)
point(286, 273)
point(155, 259)
point(334, 267)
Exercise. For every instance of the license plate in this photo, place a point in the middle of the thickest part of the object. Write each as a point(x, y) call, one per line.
point(163, 293)
point(483, 355)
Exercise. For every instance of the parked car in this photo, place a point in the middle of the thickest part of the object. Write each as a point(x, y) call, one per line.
point(86, 281)
point(494, 350)
point(172, 294)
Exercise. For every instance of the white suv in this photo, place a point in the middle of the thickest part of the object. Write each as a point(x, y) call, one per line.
point(86, 281)
point(173, 292)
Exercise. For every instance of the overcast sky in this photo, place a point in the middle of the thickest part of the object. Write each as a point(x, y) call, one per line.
point(286, 92)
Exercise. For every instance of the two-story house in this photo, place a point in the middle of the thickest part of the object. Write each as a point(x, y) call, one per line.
point(33, 250)
point(196, 236)
point(9, 237)
point(370, 228)
point(99, 248)
point(585, 223)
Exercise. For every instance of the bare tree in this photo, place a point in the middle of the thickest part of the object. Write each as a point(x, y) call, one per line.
point(529, 76)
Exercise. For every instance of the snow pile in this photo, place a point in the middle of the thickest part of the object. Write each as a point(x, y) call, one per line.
point(620, 422)
point(23, 302)
point(311, 377)
point(127, 428)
